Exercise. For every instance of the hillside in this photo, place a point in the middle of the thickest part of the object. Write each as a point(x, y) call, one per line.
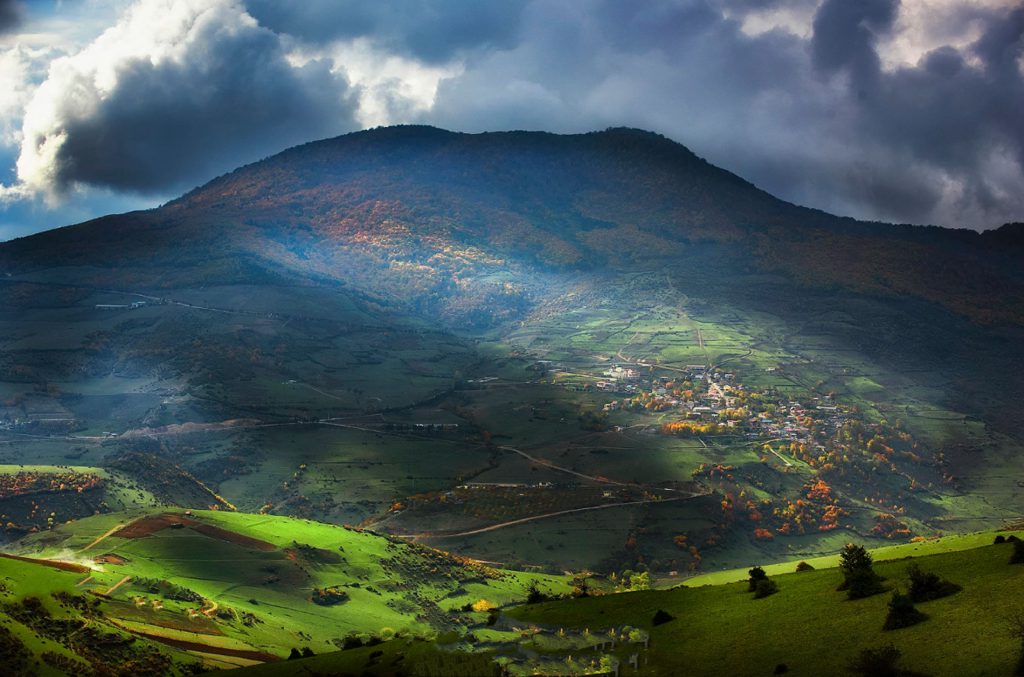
point(173, 589)
point(807, 627)
point(553, 353)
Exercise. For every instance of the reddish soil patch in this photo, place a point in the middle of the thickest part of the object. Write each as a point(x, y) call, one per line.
point(63, 566)
point(109, 558)
point(147, 526)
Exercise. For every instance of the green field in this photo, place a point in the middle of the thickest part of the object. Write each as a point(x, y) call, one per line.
point(255, 595)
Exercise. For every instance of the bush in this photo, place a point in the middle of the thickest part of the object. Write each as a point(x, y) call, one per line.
point(781, 669)
point(999, 539)
point(804, 566)
point(926, 586)
point(902, 612)
point(756, 575)
point(535, 596)
point(1018, 552)
point(877, 662)
point(661, 617)
point(329, 596)
point(764, 588)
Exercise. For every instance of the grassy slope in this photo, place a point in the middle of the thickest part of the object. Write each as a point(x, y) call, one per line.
point(390, 585)
point(812, 628)
point(808, 625)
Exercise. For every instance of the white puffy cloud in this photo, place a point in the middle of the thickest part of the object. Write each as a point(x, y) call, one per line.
point(175, 91)
point(877, 109)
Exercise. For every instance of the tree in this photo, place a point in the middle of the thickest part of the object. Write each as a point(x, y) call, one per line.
point(926, 586)
point(859, 577)
point(756, 575)
point(661, 617)
point(902, 612)
point(535, 596)
point(1018, 552)
point(765, 587)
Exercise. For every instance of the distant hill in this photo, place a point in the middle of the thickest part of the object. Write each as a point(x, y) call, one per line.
point(428, 217)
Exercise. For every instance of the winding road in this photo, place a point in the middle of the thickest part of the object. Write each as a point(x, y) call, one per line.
point(534, 518)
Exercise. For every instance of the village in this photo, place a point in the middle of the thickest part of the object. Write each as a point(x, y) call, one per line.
point(712, 401)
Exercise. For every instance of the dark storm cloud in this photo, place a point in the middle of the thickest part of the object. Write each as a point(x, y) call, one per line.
point(816, 119)
point(172, 122)
point(805, 101)
point(845, 33)
point(941, 114)
point(10, 15)
point(206, 91)
point(433, 31)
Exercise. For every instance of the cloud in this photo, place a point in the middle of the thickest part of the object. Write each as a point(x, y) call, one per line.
point(876, 108)
point(11, 14)
point(844, 113)
point(432, 31)
point(176, 91)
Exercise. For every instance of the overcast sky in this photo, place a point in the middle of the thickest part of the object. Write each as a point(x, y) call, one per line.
point(909, 112)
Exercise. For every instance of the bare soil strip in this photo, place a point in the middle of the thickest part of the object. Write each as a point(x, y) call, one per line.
point(56, 564)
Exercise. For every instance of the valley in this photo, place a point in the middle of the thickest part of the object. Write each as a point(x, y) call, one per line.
point(360, 394)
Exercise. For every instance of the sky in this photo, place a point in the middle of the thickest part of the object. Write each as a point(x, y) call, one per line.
point(906, 111)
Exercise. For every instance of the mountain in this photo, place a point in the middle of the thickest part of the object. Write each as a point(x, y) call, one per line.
point(562, 353)
point(381, 211)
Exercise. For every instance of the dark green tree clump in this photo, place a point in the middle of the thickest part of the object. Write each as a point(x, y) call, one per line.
point(661, 617)
point(882, 662)
point(1018, 552)
point(759, 583)
point(329, 596)
point(535, 596)
point(755, 575)
point(902, 612)
point(859, 577)
point(926, 586)
point(804, 566)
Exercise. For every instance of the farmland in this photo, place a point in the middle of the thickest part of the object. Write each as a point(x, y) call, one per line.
point(323, 417)
point(233, 589)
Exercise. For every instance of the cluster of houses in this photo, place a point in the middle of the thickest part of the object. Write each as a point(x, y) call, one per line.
point(715, 396)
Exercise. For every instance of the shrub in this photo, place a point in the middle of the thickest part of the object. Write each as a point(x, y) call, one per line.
point(535, 596)
point(764, 588)
point(1018, 552)
point(756, 575)
point(661, 617)
point(329, 596)
point(877, 662)
point(999, 539)
point(926, 586)
point(804, 566)
point(780, 669)
point(902, 612)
